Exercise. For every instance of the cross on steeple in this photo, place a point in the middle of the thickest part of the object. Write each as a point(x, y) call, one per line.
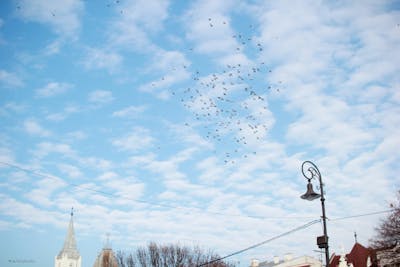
point(355, 236)
point(72, 211)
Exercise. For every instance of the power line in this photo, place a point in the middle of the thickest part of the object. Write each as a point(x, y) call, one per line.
point(112, 195)
point(361, 215)
point(263, 242)
point(89, 189)
point(195, 209)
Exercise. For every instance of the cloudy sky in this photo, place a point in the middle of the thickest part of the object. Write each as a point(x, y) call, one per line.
point(188, 121)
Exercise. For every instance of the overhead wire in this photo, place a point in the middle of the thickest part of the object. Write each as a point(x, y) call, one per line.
point(112, 195)
point(301, 227)
point(360, 215)
point(194, 209)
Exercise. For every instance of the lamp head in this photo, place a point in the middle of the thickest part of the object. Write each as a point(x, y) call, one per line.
point(310, 194)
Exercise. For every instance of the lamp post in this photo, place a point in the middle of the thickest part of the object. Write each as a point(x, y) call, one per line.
point(310, 171)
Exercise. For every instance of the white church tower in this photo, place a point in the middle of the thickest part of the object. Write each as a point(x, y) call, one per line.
point(69, 254)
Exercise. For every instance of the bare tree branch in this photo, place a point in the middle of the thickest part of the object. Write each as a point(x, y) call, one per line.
point(171, 255)
point(388, 231)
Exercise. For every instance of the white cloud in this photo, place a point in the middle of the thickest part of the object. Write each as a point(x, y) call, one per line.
point(43, 149)
point(169, 170)
point(52, 89)
point(129, 112)
point(326, 119)
point(170, 60)
point(137, 20)
point(56, 117)
point(172, 68)
point(326, 77)
point(64, 114)
point(95, 163)
point(126, 190)
point(166, 169)
point(210, 170)
point(208, 26)
point(36, 196)
point(108, 176)
point(6, 155)
point(190, 137)
point(100, 97)
point(336, 107)
point(12, 109)
point(138, 139)
point(32, 127)
point(53, 48)
point(70, 170)
point(212, 40)
point(101, 59)
point(77, 135)
point(62, 17)
point(10, 80)
point(26, 214)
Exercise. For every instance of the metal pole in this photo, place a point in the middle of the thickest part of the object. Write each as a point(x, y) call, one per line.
point(324, 221)
point(310, 173)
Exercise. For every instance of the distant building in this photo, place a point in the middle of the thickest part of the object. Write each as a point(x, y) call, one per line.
point(288, 261)
point(359, 256)
point(69, 254)
point(106, 257)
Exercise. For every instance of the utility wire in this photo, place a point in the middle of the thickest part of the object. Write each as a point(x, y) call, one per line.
point(195, 209)
point(263, 242)
point(361, 215)
point(90, 189)
point(111, 195)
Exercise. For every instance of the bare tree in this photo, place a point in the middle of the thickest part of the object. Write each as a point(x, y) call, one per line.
point(120, 258)
point(141, 257)
point(130, 262)
point(388, 231)
point(155, 255)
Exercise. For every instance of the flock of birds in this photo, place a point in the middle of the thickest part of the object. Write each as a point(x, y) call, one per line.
point(230, 104)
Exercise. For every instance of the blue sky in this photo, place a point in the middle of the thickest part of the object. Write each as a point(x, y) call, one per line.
point(187, 122)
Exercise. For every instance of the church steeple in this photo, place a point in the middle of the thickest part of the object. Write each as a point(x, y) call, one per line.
point(106, 257)
point(69, 254)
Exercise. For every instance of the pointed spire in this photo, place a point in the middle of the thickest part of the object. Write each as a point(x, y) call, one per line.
point(107, 245)
point(69, 249)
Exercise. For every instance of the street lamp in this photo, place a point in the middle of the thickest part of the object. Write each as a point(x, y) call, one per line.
point(310, 171)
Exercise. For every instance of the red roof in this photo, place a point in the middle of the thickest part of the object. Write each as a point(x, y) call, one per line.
point(334, 261)
point(358, 256)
